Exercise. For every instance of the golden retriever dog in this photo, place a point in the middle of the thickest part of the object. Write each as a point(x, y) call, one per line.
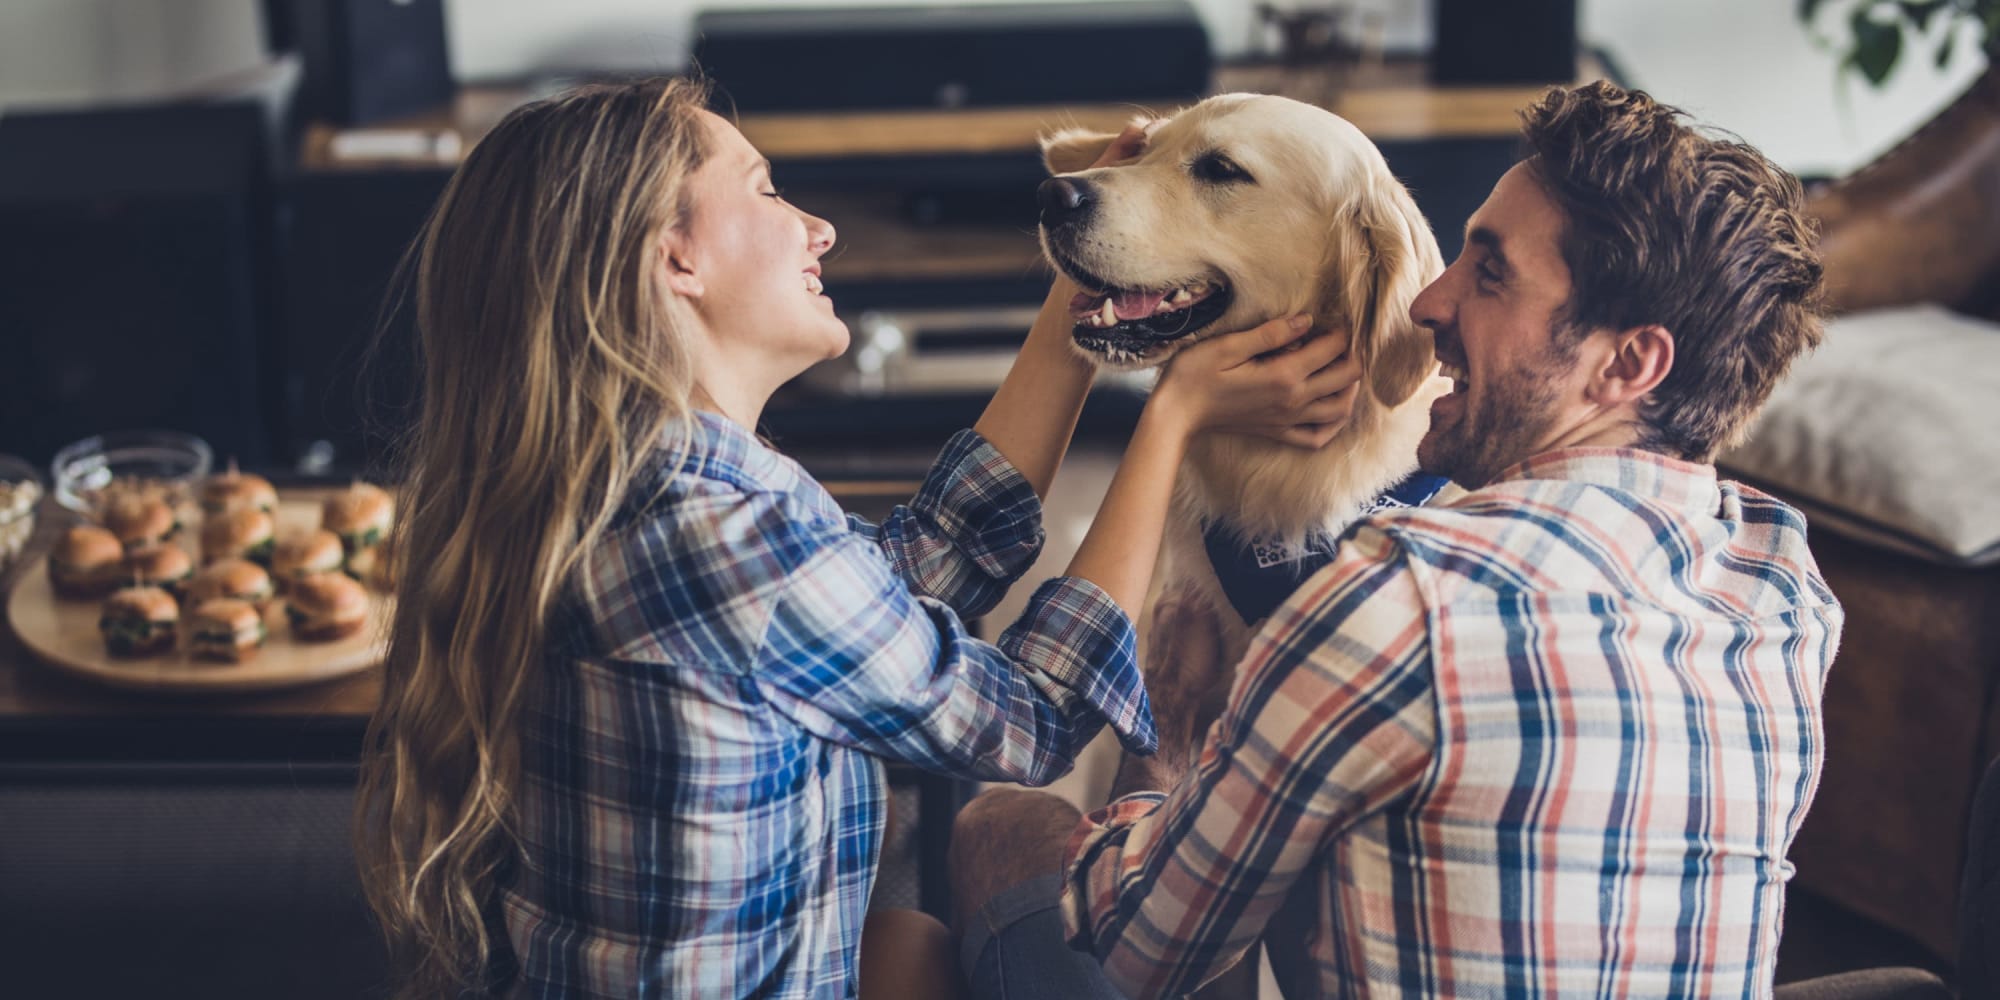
point(1241, 209)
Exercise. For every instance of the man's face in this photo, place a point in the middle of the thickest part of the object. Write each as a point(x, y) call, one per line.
point(1494, 315)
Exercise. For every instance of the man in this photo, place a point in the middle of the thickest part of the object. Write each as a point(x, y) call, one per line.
point(1554, 736)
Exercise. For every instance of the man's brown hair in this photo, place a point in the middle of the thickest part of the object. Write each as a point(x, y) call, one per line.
point(1665, 225)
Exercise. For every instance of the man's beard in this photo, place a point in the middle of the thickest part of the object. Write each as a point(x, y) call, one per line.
point(1506, 426)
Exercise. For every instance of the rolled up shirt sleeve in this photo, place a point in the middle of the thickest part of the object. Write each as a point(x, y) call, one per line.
point(1332, 715)
point(974, 526)
point(852, 655)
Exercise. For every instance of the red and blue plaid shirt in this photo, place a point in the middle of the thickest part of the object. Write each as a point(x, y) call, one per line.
point(704, 793)
point(1554, 737)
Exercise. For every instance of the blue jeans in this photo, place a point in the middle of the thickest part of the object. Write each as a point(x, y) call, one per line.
point(1015, 950)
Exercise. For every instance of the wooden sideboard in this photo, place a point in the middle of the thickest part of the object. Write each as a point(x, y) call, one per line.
point(1390, 101)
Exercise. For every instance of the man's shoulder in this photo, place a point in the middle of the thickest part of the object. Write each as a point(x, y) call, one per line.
point(1556, 535)
point(1496, 522)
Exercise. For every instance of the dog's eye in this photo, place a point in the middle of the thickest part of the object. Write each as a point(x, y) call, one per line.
point(1216, 168)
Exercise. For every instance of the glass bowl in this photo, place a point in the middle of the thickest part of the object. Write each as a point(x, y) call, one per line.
point(20, 495)
point(169, 461)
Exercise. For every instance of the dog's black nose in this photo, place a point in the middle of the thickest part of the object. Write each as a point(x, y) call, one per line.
point(1063, 199)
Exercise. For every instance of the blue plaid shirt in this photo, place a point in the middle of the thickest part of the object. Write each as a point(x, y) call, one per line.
point(704, 791)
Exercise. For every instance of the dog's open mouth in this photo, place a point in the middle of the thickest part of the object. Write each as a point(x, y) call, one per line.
point(1128, 319)
point(1150, 312)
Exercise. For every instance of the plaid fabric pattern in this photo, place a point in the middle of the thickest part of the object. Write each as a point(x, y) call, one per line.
point(704, 791)
point(1553, 738)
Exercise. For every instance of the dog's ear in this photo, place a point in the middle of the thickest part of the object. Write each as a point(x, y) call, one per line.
point(1069, 150)
point(1384, 254)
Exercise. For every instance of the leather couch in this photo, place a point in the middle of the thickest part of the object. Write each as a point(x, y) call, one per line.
point(1913, 701)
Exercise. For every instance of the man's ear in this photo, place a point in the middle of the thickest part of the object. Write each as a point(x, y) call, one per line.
point(677, 274)
point(1639, 360)
point(1069, 150)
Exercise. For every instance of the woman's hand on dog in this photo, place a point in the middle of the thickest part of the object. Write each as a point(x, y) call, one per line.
point(1281, 381)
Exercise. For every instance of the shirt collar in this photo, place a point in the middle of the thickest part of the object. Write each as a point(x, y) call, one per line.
point(720, 448)
point(1669, 481)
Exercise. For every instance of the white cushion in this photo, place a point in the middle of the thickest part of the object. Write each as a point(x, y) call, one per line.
point(1890, 434)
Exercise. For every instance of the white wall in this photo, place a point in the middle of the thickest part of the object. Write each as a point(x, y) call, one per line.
point(1750, 66)
point(513, 38)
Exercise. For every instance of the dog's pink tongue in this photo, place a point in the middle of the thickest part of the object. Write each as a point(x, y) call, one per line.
point(1137, 305)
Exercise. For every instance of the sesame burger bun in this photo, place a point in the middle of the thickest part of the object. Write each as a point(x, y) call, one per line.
point(139, 520)
point(326, 606)
point(233, 491)
point(87, 562)
point(304, 555)
point(166, 566)
point(232, 578)
point(138, 621)
point(244, 533)
point(360, 515)
point(225, 629)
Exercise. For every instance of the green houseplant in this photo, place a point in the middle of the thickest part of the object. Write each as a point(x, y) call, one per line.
point(1879, 31)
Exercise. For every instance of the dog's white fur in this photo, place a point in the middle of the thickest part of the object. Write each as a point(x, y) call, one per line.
point(1322, 228)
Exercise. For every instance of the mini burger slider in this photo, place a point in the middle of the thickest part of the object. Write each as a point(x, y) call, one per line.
point(233, 491)
point(240, 579)
point(244, 533)
point(360, 515)
point(303, 555)
point(140, 520)
point(167, 566)
point(139, 621)
point(326, 606)
point(228, 630)
point(87, 562)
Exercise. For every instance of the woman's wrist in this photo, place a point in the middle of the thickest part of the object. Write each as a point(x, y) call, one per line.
point(1167, 415)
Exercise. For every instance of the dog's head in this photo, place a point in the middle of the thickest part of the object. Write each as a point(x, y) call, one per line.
point(1242, 208)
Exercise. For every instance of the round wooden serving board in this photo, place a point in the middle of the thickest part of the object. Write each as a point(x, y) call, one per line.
point(64, 634)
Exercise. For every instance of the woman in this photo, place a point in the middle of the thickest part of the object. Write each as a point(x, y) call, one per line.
point(643, 671)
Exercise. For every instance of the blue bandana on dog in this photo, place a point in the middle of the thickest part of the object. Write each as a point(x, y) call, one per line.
point(1257, 575)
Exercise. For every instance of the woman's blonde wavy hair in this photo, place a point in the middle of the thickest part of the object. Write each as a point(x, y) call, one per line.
point(552, 367)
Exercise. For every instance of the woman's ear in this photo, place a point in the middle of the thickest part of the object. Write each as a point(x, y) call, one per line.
point(677, 273)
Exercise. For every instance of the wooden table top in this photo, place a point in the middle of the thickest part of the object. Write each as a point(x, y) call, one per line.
point(33, 691)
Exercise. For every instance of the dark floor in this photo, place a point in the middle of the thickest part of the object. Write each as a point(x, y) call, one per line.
point(1822, 939)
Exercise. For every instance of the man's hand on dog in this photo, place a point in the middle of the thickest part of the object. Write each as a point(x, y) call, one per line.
point(1281, 381)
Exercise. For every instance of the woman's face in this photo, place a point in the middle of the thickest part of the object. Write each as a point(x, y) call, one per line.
point(753, 261)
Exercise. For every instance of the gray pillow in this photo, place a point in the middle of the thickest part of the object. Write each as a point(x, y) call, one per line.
point(1890, 434)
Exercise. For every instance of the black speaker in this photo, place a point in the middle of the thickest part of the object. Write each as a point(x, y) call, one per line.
point(935, 56)
point(1479, 41)
point(365, 60)
point(136, 276)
